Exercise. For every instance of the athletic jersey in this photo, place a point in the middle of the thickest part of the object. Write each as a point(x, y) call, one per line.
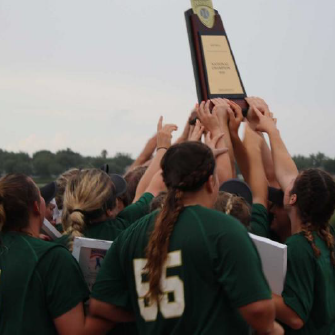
point(110, 229)
point(310, 286)
point(39, 281)
point(212, 269)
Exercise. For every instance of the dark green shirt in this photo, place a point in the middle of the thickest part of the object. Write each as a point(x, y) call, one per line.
point(212, 269)
point(39, 281)
point(310, 286)
point(110, 229)
point(259, 223)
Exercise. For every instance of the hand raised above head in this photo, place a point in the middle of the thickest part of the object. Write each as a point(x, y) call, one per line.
point(196, 131)
point(209, 120)
point(212, 142)
point(265, 123)
point(261, 105)
point(235, 117)
point(164, 134)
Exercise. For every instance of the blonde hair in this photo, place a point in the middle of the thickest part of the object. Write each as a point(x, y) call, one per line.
point(61, 183)
point(235, 206)
point(87, 197)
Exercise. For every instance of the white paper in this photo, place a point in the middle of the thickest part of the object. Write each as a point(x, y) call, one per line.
point(50, 230)
point(90, 254)
point(274, 261)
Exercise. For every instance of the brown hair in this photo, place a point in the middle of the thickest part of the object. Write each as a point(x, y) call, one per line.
point(315, 190)
point(158, 201)
point(132, 178)
point(87, 197)
point(17, 196)
point(186, 167)
point(235, 206)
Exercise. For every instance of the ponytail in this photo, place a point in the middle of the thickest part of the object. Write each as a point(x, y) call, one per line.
point(157, 249)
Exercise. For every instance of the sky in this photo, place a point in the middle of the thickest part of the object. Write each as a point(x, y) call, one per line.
point(94, 75)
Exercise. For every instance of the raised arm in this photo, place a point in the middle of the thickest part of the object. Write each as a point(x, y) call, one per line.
point(235, 119)
point(146, 153)
point(211, 123)
point(284, 166)
point(221, 109)
point(164, 136)
point(257, 179)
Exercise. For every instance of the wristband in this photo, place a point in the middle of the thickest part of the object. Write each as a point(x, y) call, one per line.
point(162, 148)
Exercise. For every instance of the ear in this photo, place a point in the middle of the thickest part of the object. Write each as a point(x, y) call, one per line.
point(36, 208)
point(293, 199)
point(210, 184)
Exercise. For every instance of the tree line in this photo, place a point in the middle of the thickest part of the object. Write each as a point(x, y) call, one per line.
point(46, 164)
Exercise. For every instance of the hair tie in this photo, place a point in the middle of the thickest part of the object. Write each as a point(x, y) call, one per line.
point(78, 210)
point(229, 205)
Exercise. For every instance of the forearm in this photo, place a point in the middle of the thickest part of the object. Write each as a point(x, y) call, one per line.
point(241, 156)
point(268, 165)
point(149, 173)
point(286, 314)
point(257, 178)
point(228, 142)
point(223, 163)
point(94, 325)
point(284, 166)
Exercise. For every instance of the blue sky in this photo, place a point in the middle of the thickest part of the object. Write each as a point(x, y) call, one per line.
point(93, 75)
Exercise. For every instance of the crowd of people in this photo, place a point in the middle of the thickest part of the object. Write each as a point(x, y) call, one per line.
point(181, 261)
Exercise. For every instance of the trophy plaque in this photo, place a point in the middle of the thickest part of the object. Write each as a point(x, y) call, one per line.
point(215, 70)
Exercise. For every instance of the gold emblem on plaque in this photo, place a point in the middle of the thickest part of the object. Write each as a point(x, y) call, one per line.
point(205, 11)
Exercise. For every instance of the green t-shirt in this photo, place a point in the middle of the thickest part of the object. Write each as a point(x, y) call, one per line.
point(110, 229)
point(39, 281)
point(259, 223)
point(212, 269)
point(310, 286)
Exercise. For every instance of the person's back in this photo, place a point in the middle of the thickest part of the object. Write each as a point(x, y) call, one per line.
point(41, 285)
point(202, 280)
point(183, 269)
point(313, 280)
point(29, 306)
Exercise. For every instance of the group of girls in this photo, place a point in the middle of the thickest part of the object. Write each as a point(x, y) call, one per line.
point(184, 268)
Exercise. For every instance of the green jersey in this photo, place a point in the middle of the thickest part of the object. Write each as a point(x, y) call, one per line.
point(211, 270)
point(310, 286)
point(110, 229)
point(259, 223)
point(39, 281)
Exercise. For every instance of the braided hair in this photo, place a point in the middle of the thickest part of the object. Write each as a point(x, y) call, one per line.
point(87, 197)
point(315, 190)
point(186, 167)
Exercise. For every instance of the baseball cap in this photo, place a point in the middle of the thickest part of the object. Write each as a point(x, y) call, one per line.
point(119, 182)
point(48, 192)
point(275, 195)
point(239, 188)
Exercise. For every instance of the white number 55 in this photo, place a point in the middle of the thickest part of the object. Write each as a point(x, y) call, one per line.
point(172, 304)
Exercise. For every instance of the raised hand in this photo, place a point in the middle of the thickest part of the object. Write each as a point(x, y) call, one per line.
point(221, 109)
point(196, 131)
point(235, 117)
point(261, 105)
point(164, 134)
point(209, 120)
point(212, 142)
point(265, 123)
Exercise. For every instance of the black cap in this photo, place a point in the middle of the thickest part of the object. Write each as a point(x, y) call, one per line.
point(239, 188)
point(275, 195)
point(118, 181)
point(48, 192)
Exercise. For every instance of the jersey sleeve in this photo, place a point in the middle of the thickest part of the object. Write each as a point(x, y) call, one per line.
point(134, 211)
point(259, 224)
point(111, 285)
point(238, 267)
point(65, 286)
point(298, 290)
